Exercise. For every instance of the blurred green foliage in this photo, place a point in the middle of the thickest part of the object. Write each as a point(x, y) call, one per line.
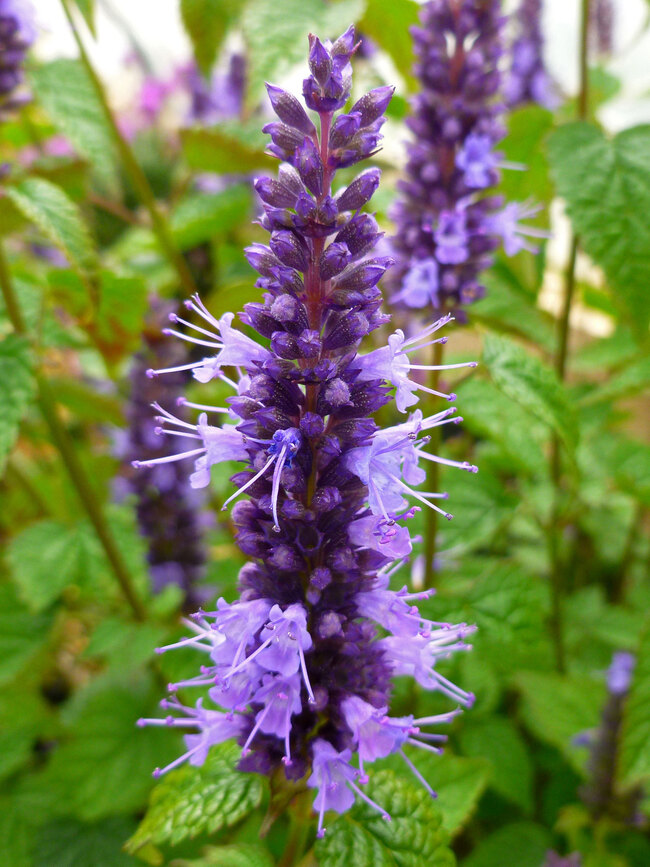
point(77, 669)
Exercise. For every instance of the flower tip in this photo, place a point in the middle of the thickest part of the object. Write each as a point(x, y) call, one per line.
point(136, 464)
point(473, 364)
point(150, 373)
point(167, 332)
point(173, 317)
point(286, 761)
point(156, 773)
point(276, 528)
point(452, 397)
point(448, 516)
point(386, 817)
point(188, 303)
point(160, 650)
point(141, 723)
point(320, 834)
point(181, 401)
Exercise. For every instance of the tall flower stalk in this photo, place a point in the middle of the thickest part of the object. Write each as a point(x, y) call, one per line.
point(17, 33)
point(299, 668)
point(168, 510)
point(448, 221)
point(527, 79)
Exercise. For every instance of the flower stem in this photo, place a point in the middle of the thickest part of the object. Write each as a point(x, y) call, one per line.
point(66, 448)
point(561, 358)
point(433, 481)
point(138, 177)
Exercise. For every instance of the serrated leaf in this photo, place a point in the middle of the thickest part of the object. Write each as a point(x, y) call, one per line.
point(606, 184)
point(194, 801)
point(46, 558)
point(17, 835)
point(67, 843)
point(497, 740)
point(532, 385)
point(228, 148)
point(49, 208)
point(67, 95)
point(236, 855)
point(558, 708)
point(206, 22)
point(17, 389)
point(105, 764)
point(634, 763)
point(22, 634)
point(388, 25)
point(276, 35)
point(479, 503)
point(523, 843)
point(413, 837)
point(201, 216)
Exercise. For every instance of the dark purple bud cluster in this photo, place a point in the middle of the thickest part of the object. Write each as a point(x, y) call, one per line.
point(527, 79)
point(302, 662)
point(602, 25)
point(448, 223)
point(169, 512)
point(17, 33)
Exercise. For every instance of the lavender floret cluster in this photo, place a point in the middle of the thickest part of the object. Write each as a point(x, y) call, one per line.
point(169, 512)
point(448, 223)
point(527, 79)
point(17, 33)
point(299, 668)
point(602, 23)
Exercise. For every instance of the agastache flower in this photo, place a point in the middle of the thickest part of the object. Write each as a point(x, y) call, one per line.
point(302, 662)
point(17, 33)
point(527, 79)
point(445, 214)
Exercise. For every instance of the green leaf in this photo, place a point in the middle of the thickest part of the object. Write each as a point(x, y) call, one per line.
point(49, 208)
point(19, 731)
point(634, 764)
point(276, 35)
point(480, 505)
point(531, 384)
point(67, 95)
point(236, 855)
point(633, 379)
point(67, 843)
point(523, 844)
point(207, 22)
point(557, 708)
point(606, 184)
point(459, 783)
point(201, 216)
point(497, 740)
point(223, 149)
point(413, 837)
point(106, 764)
point(87, 9)
point(46, 558)
point(527, 129)
point(203, 800)
point(388, 25)
point(17, 835)
point(17, 389)
point(21, 633)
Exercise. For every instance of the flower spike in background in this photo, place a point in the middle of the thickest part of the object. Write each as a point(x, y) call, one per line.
point(317, 634)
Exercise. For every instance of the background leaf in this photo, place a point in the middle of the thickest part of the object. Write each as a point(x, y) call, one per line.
point(206, 22)
point(606, 184)
point(635, 737)
point(66, 93)
point(17, 389)
point(49, 208)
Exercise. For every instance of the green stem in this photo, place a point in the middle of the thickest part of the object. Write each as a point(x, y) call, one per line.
point(433, 482)
point(561, 358)
point(68, 453)
point(138, 177)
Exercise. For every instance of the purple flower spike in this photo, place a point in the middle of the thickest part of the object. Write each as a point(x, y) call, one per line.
point(528, 80)
point(298, 663)
point(17, 33)
point(444, 215)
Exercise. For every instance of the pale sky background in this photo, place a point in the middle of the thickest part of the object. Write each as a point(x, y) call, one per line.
point(157, 25)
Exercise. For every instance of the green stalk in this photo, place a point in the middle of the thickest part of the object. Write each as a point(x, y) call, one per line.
point(433, 482)
point(561, 358)
point(138, 178)
point(66, 448)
